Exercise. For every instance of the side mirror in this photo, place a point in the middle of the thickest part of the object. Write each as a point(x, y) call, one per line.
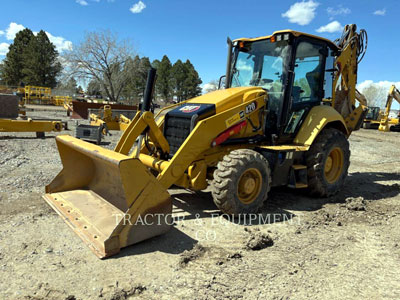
point(221, 83)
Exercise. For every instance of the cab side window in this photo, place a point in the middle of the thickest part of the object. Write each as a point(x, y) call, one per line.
point(308, 82)
point(308, 73)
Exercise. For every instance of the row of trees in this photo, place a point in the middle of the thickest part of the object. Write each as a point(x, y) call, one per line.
point(69, 87)
point(109, 66)
point(117, 73)
point(31, 59)
point(179, 81)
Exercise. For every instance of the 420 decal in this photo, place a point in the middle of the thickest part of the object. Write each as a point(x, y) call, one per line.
point(251, 107)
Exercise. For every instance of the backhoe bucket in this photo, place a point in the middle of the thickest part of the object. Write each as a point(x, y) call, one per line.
point(110, 200)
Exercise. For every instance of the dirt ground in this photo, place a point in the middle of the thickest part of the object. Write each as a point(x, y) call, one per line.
point(345, 247)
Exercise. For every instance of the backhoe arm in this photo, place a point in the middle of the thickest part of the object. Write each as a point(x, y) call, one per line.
point(352, 50)
point(393, 94)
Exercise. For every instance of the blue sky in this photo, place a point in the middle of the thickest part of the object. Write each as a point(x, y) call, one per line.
point(197, 30)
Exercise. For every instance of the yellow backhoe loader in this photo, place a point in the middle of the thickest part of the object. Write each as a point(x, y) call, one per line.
point(385, 121)
point(373, 118)
point(283, 119)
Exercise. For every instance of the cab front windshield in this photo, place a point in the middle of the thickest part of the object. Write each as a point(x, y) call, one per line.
point(262, 64)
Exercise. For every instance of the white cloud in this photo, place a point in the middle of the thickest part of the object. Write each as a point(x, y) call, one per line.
point(13, 29)
point(382, 84)
point(137, 7)
point(2, 32)
point(380, 12)
point(209, 87)
point(382, 89)
point(331, 27)
point(82, 2)
point(60, 42)
point(301, 13)
point(340, 10)
point(4, 48)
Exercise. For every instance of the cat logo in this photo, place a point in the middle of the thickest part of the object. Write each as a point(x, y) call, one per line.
point(189, 108)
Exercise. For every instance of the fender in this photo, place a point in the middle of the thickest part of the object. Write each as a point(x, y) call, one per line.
point(317, 119)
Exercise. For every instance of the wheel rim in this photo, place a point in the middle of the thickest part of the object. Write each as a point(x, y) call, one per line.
point(249, 186)
point(334, 165)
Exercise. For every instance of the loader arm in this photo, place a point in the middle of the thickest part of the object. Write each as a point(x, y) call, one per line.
point(393, 94)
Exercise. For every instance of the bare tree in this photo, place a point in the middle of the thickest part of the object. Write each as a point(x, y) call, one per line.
point(211, 86)
point(101, 56)
point(375, 94)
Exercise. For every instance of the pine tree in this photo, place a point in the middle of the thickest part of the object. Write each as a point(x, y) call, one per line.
point(136, 71)
point(70, 85)
point(94, 88)
point(163, 84)
point(41, 65)
point(192, 82)
point(14, 62)
point(156, 64)
point(178, 76)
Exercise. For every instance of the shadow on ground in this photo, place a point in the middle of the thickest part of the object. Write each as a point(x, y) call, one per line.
point(282, 200)
point(173, 242)
point(278, 207)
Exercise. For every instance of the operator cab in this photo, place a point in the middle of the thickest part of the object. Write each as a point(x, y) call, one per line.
point(295, 69)
point(373, 113)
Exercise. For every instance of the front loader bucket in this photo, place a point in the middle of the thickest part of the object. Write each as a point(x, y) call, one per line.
point(108, 199)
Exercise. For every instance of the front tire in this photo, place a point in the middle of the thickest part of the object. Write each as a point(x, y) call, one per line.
point(241, 182)
point(328, 161)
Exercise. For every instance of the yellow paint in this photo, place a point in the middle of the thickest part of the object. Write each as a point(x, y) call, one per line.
point(249, 186)
point(334, 165)
point(286, 148)
point(99, 183)
point(316, 120)
point(229, 98)
point(233, 120)
point(295, 33)
point(8, 125)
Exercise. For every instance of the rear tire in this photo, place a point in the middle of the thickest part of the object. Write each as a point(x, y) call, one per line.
point(241, 182)
point(327, 163)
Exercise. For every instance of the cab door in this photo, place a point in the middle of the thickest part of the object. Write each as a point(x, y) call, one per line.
point(312, 81)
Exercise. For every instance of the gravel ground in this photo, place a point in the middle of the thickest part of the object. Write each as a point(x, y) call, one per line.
point(345, 247)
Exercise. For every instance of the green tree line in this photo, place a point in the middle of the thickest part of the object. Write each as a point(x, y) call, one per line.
point(178, 81)
point(110, 67)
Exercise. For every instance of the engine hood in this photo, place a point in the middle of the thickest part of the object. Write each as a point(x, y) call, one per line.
point(228, 98)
